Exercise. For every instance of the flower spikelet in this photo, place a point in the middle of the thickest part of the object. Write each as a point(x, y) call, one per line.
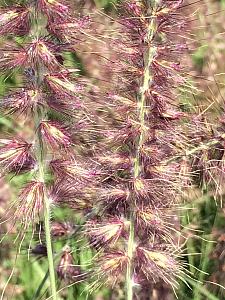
point(155, 221)
point(55, 135)
point(60, 84)
point(60, 229)
point(158, 265)
point(66, 268)
point(42, 51)
point(68, 31)
point(73, 170)
point(12, 57)
point(14, 20)
point(53, 8)
point(105, 234)
point(15, 155)
point(31, 203)
point(73, 194)
point(111, 266)
point(22, 101)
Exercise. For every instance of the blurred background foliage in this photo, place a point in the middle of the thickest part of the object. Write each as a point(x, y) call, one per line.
point(203, 217)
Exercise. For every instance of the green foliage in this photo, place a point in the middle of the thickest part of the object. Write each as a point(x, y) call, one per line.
point(199, 57)
point(107, 4)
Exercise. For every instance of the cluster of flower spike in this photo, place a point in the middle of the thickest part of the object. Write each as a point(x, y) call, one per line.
point(133, 228)
point(128, 189)
point(47, 29)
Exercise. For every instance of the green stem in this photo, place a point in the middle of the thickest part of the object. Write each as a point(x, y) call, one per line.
point(146, 82)
point(40, 154)
point(130, 250)
point(49, 250)
point(39, 23)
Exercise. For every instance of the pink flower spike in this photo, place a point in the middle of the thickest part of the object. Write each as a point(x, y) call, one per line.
point(54, 8)
point(66, 269)
point(70, 30)
point(106, 233)
point(22, 101)
point(14, 21)
point(73, 170)
point(31, 203)
point(60, 85)
point(14, 155)
point(12, 57)
point(55, 135)
point(42, 52)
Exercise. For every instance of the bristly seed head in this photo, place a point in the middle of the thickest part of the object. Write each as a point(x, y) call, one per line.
point(23, 101)
point(105, 234)
point(139, 183)
point(29, 208)
point(41, 51)
point(110, 267)
point(54, 9)
point(12, 57)
point(158, 265)
point(15, 155)
point(66, 269)
point(55, 135)
point(15, 20)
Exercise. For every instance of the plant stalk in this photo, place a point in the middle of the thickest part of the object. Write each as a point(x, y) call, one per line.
point(40, 152)
point(130, 250)
point(141, 98)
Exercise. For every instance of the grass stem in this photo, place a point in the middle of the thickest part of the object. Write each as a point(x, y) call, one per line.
point(39, 24)
point(130, 250)
point(146, 82)
point(40, 154)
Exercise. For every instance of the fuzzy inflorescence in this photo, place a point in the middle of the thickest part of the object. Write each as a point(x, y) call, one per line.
point(138, 188)
point(128, 186)
point(51, 92)
point(48, 86)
